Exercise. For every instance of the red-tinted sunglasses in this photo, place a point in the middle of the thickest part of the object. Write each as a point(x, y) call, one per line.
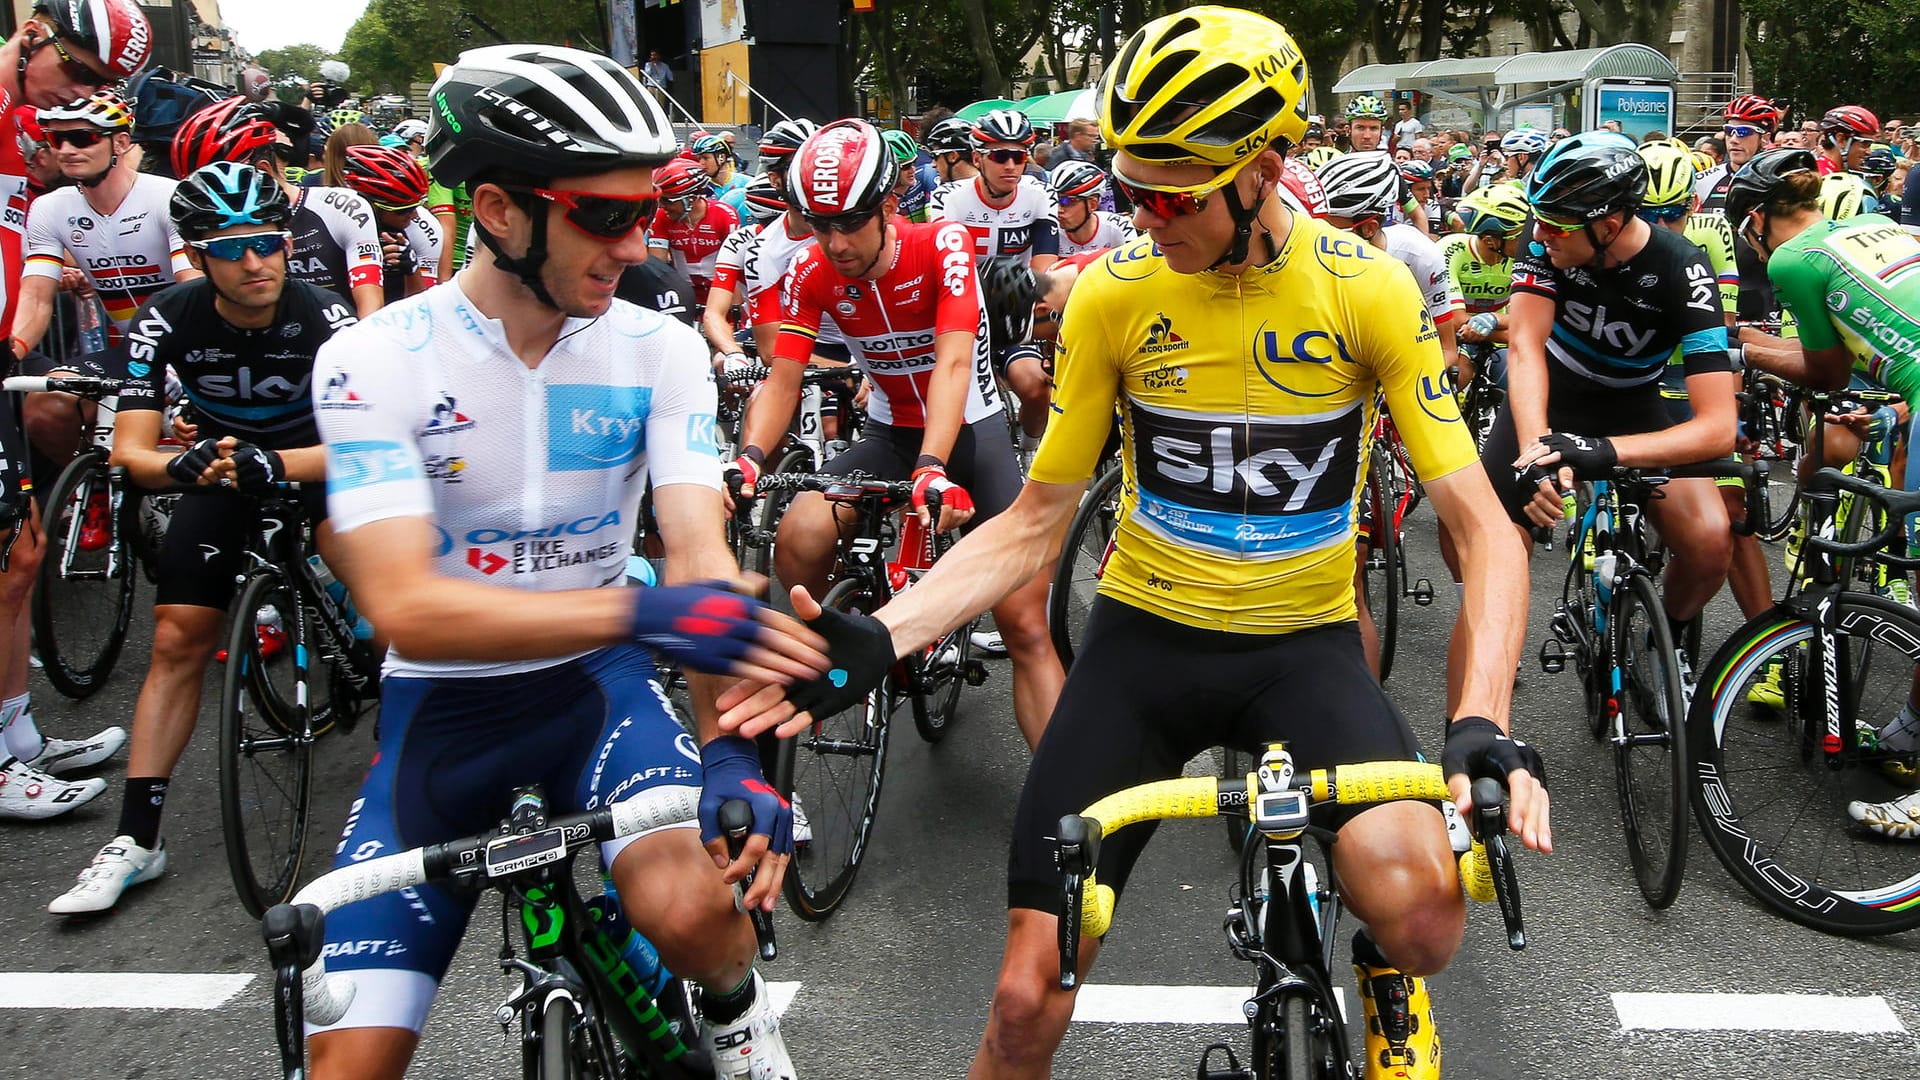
point(603, 217)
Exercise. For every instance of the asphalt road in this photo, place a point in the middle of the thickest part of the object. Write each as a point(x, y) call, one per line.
point(898, 983)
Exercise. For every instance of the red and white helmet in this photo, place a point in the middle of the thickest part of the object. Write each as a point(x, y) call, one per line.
point(1851, 119)
point(681, 179)
point(116, 30)
point(1753, 109)
point(844, 168)
point(1301, 182)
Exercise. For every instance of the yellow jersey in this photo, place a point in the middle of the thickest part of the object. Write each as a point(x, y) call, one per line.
point(1246, 404)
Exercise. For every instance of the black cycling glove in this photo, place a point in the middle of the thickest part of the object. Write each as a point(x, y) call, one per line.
point(257, 469)
point(861, 649)
point(1589, 456)
point(187, 466)
point(1477, 747)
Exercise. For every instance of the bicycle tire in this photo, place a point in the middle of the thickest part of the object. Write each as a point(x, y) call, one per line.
point(840, 803)
point(1649, 750)
point(1382, 572)
point(1781, 503)
point(80, 620)
point(1771, 808)
point(556, 1060)
point(937, 682)
point(1298, 1041)
point(764, 518)
point(1076, 574)
point(266, 770)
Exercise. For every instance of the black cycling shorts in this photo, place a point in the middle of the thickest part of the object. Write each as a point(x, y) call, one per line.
point(982, 460)
point(200, 557)
point(1611, 416)
point(1146, 694)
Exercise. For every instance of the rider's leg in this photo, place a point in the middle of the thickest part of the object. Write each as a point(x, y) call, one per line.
point(1692, 521)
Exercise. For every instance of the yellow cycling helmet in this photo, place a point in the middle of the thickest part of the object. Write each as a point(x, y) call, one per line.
point(1670, 175)
point(1207, 86)
point(1702, 161)
point(1840, 195)
point(1497, 208)
point(1318, 157)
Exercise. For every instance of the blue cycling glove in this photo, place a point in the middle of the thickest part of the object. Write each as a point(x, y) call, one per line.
point(705, 627)
point(732, 768)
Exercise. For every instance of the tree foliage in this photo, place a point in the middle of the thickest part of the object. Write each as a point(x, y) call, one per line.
point(300, 62)
point(1820, 53)
point(397, 42)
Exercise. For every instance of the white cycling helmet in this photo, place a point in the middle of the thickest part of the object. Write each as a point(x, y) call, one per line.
point(409, 130)
point(1524, 140)
point(1362, 184)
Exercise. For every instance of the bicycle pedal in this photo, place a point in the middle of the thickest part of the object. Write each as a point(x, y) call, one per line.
point(1562, 626)
point(1423, 592)
point(974, 672)
point(1553, 656)
point(1233, 1071)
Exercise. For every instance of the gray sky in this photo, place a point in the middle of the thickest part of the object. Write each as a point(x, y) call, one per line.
point(272, 24)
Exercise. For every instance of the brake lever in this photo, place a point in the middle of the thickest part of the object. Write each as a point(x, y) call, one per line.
point(1490, 828)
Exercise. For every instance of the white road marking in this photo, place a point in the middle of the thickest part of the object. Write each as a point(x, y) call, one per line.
point(1099, 1004)
point(1755, 1012)
point(783, 995)
point(117, 990)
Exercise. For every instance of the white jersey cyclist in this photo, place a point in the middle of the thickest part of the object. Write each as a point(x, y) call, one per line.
point(1113, 230)
point(767, 269)
point(336, 243)
point(730, 263)
point(1027, 225)
point(127, 255)
point(535, 474)
point(425, 243)
point(1429, 265)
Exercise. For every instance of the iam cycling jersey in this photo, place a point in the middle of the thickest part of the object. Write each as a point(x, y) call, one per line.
point(1422, 256)
point(253, 384)
point(729, 263)
point(1246, 402)
point(1616, 328)
point(1856, 283)
point(1025, 225)
point(128, 254)
point(1481, 286)
point(336, 244)
point(692, 245)
point(1111, 231)
point(768, 265)
point(530, 476)
point(891, 323)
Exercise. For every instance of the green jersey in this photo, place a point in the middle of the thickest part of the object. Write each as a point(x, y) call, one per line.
point(456, 201)
point(1856, 283)
point(1483, 285)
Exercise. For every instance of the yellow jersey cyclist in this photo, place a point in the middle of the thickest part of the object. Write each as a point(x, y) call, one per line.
point(1245, 345)
point(1600, 301)
point(1854, 289)
point(1479, 260)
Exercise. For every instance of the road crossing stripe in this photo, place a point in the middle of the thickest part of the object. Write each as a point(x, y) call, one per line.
point(1102, 1004)
point(1755, 1012)
point(117, 990)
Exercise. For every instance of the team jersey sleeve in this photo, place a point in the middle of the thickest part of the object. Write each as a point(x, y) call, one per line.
point(770, 303)
point(426, 242)
point(657, 231)
point(1801, 288)
point(1715, 237)
point(146, 367)
point(729, 264)
point(1046, 225)
point(374, 468)
point(1395, 335)
point(439, 198)
point(1086, 370)
point(1532, 273)
point(352, 226)
point(45, 252)
point(683, 445)
point(1443, 297)
point(1703, 322)
point(803, 299)
point(937, 203)
point(957, 307)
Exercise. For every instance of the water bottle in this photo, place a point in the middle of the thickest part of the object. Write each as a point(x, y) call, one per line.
point(362, 629)
point(1310, 880)
point(654, 1003)
point(634, 949)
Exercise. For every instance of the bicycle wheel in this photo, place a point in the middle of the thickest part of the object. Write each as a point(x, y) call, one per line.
point(1382, 571)
point(1649, 749)
point(764, 518)
point(937, 675)
point(832, 774)
point(1076, 575)
point(1303, 1040)
point(1782, 500)
point(265, 756)
point(1772, 802)
point(556, 1039)
point(84, 599)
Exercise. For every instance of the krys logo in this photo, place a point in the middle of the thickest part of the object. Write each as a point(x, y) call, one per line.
point(595, 427)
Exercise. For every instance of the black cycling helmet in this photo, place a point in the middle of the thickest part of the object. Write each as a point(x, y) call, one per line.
point(541, 111)
point(225, 194)
point(949, 136)
point(1008, 289)
point(1588, 176)
point(1003, 126)
point(1760, 177)
point(783, 140)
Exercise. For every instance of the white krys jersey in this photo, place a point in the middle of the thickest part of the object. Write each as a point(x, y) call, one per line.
point(767, 267)
point(1112, 231)
point(531, 477)
point(1028, 225)
point(1429, 266)
point(128, 254)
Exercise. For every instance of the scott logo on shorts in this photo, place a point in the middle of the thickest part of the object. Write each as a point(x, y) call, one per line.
point(596, 427)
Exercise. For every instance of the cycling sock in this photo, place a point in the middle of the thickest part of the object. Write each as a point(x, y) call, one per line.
point(140, 809)
point(1366, 953)
point(1902, 733)
point(21, 736)
point(730, 1006)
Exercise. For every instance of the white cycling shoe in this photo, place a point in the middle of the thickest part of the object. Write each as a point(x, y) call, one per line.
point(1898, 819)
point(119, 866)
point(28, 794)
point(750, 1048)
point(62, 756)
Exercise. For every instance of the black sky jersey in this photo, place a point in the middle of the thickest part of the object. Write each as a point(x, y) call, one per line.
point(256, 385)
point(658, 286)
point(1617, 328)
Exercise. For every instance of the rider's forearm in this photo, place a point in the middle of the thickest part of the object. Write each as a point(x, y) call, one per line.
point(35, 310)
point(770, 412)
point(1702, 438)
point(1527, 392)
point(713, 320)
point(947, 394)
point(1492, 622)
point(146, 467)
point(1785, 357)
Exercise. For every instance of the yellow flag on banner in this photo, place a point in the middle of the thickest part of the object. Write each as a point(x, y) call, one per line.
point(863, 5)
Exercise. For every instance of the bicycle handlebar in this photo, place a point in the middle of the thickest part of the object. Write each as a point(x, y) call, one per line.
point(1486, 869)
point(78, 385)
point(1827, 483)
point(327, 996)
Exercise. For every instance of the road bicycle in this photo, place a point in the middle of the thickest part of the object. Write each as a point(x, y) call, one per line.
point(824, 392)
point(1083, 558)
point(1285, 905)
point(583, 1012)
point(1392, 492)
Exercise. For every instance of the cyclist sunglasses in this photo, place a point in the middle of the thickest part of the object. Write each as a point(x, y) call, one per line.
point(407, 209)
point(1741, 131)
point(1007, 157)
point(603, 217)
point(78, 138)
point(1558, 228)
point(1173, 203)
point(72, 68)
point(840, 223)
point(1665, 214)
point(235, 248)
